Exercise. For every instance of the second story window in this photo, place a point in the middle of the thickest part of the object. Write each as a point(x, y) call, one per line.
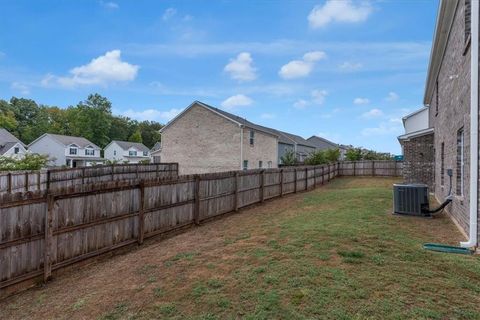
point(114, 152)
point(460, 162)
point(252, 137)
point(16, 150)
point(145, 153)
point(89, 152)
point(245, 164)
point(132, 153)
point(260, 164)
point(72, 151)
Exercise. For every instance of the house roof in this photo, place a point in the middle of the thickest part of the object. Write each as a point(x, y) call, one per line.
point(314, 140)
point(68, 140)
point(414, 113)
point(445, 18)
point(157, 146)
point(298, 140)
point(415, 134)
point(125, 145)
point(7, 141)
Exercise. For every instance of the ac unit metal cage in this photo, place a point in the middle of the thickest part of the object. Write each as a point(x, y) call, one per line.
point(410, 199)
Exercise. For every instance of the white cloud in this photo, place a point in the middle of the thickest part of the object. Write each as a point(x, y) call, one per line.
point(318, 96)
point(109, 5)
point(151, 114)
point(348, 66)
point(267, 116)
point(361, 101)
point(20, 87)
point(301, 68)
point(374, 113)
point(241, 68)
point(339, 11)
point(392, 96)
point(169, 13)
point(103, 70)
point(300, 104)
point(238, 100)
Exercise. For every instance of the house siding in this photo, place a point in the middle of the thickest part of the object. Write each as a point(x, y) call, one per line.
point(51, 148)
point(265, 149)
point(201, 141)
point(453, 114)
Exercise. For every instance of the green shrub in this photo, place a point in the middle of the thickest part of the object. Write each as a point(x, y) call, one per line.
point(31, 161)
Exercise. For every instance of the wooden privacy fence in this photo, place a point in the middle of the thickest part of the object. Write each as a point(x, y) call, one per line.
point(386, 168)
point(41, 232)
point(12, 182)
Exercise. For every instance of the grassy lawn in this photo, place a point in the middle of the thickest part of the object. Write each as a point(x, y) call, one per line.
point(332, 253)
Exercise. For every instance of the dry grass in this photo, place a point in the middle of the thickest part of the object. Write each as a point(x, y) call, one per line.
point(333, 253)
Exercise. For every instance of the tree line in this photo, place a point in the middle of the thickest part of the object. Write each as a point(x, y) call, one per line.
point(91, 119)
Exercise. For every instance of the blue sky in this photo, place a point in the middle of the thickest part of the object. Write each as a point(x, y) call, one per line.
point(346, 70)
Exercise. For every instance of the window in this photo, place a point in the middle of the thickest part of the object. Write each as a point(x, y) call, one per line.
point(442, 164)
point(89, 152)
point(252, 137)
point(467, 15)
point(260, 164)
point(436, 98)
point(132, 153)
point(114, 152)
point(73, 150)
point(145, 153)
point(270, 164)
point(460, 162)
point(245, 164)
point(16, 150)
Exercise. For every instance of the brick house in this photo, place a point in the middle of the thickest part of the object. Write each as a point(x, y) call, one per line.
point(417, 148)
point(205, 139)
point(451, 95)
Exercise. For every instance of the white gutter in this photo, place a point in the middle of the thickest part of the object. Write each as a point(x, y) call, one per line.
point(241, 146)
point(472, 241)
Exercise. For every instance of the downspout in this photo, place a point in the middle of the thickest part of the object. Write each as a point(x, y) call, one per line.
point(472, 241)
point(241, 146)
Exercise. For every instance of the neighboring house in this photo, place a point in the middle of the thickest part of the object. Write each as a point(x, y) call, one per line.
point(451, 95)
point(155, 153)
point(291, 142)
point(67, 150)
point(206, 139)
point(10, 146)
point(126, 152)
point(324, 144)
point(418, 147)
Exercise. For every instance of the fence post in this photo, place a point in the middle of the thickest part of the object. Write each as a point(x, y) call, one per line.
point(157, 170)
point(323, 174)
point(83, 175)
point(281, 182)
point(27, 183)
point(141, 214)
point(373, 168)
point(306, 178)
point(236, 191)
point(113, 170)
point(262, 186)
point(314, 177)
point(47, 261)
point(196, 210)
point(354, 165)
point(9, 182)
point(295, 180)
point(39, 183)
point(48, 181)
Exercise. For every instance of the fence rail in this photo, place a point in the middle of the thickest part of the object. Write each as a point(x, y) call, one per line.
point(52, 179)
point(41, 232)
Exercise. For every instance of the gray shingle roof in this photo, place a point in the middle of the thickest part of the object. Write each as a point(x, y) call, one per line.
point(125, 145)
point(298, 140)
point(320, 142)
point(157, 146)
point(7, 141)
point(67, 140)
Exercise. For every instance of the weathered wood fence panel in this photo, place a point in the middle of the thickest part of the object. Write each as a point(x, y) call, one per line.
point(41, 232)
point(54, 179)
